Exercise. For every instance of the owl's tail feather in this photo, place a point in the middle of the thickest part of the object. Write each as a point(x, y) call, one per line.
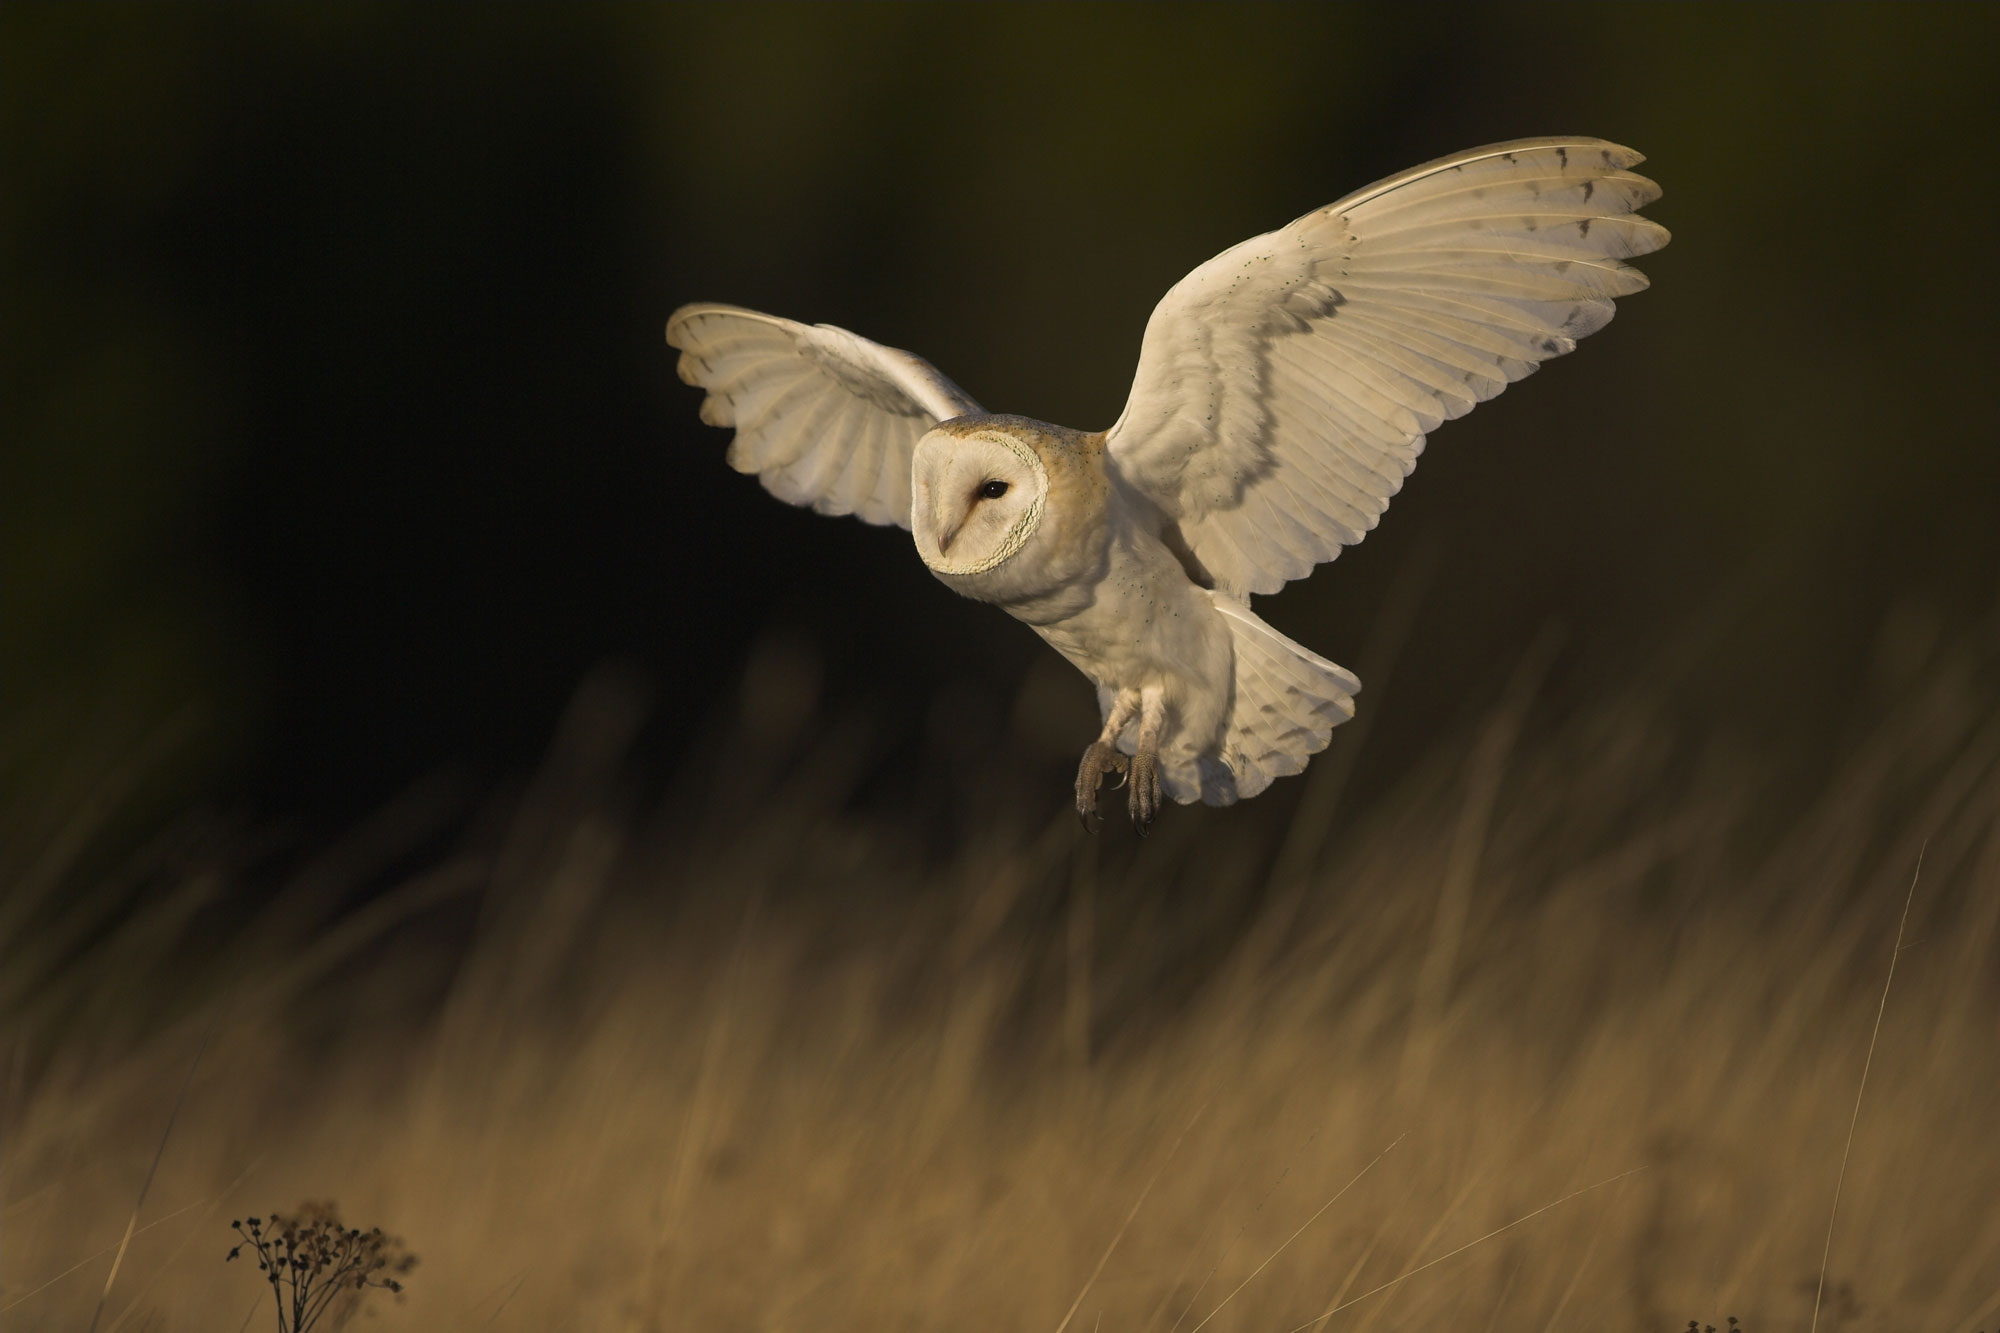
point(1285, 704)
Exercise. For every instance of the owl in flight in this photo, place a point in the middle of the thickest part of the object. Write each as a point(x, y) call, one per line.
point(1284, 391)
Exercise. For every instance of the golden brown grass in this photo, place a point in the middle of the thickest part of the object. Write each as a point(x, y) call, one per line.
point(766, 1064)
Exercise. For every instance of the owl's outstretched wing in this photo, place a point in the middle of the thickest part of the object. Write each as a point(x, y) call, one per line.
point(823, 417)
point(1285, 387)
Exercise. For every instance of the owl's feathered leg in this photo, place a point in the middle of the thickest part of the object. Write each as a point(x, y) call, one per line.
point(1144, 798)
point(1103, 757)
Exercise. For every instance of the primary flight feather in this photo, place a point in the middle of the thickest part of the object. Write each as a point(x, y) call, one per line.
point(1284, 391)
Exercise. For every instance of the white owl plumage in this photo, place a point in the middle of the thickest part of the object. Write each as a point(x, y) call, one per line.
point(1284, 391)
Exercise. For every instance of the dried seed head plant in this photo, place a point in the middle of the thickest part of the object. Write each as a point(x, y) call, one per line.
point(315, 1265)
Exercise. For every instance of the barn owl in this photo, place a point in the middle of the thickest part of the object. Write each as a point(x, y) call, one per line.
point(1284, 391)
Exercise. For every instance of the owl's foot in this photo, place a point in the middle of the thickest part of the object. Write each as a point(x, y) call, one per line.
point(1144, 798)
point(1101, 758)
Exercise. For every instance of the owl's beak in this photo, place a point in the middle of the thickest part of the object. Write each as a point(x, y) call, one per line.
point(947, 531)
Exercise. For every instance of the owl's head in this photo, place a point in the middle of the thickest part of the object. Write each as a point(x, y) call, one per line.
point(975, 498)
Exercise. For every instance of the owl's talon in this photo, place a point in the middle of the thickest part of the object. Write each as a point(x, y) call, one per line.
point(1101, 758)
point(1144, 798)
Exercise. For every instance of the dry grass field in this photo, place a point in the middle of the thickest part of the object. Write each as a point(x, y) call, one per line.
point(1564, 1032)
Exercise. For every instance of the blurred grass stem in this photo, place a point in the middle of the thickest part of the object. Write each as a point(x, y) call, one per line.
point(161, 1151)
point(1874, 1035)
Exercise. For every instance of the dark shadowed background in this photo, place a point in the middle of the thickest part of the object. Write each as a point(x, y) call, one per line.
point(342, 442)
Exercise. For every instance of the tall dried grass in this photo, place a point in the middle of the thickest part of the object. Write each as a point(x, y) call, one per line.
point(758, 1060)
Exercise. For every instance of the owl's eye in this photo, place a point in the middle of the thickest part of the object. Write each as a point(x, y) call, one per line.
point(993, 490)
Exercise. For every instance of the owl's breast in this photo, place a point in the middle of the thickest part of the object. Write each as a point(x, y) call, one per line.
point(1144, 623)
